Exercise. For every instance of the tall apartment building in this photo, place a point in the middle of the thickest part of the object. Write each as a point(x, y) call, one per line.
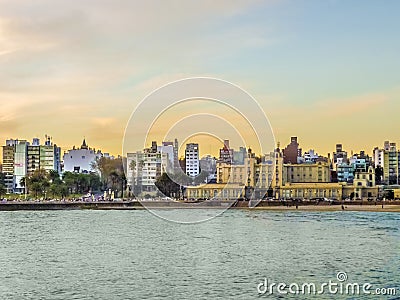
point(192, 159)
point(292, 151)
point(144, 168)
point(33, 156)
point(168, 149)
point(20, 165)
point(8, 165)
point(49, 156)
point(339, 156)
point(21, 159)
point(389, 159)
point(226, 153)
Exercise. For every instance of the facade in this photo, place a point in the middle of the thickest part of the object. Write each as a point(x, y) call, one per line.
point(80, 160)
point(168, 149)
point(292, 152)
point(339, 156)
point(216, 191)
point(239, 156)
point(345, 172)
point(226, 153)
point(8, 165)
point(303, 173)
point(309, 157)
point(143, 169)
point(389, 159)
point(327, 190)
point(258, 174)
point(20, 165)
point(21, 159)
point(33, 156)
point(192, 165)
point(238, 174)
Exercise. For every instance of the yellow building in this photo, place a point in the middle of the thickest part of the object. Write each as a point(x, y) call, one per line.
point(240, 174)
point(215, 190)
point(303, 173)
point(311, 190)
point(261, 174)
point(269, 177)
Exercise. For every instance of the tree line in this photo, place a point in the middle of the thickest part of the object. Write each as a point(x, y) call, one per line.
point(42, 183)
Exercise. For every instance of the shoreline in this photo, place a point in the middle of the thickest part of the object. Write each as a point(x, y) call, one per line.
point(388, 206)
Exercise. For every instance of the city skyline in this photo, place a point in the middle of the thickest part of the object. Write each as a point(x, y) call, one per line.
point(204, 147)
point(67, 70)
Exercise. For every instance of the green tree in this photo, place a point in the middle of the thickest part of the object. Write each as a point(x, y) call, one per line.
point(38, 182)
point(167, 186)
point(70, 181)
point(59, 189)
point(54, 177)
point(112, 173)
point(3, 190)
point(94, 182)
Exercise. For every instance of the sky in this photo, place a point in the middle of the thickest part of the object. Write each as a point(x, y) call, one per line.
point(325, 71)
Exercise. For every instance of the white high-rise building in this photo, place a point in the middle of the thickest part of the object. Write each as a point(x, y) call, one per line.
point(143, 169)
point(20, 164)
point(192, 159)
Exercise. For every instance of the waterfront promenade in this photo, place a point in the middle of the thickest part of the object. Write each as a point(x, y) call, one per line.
point(380, 206)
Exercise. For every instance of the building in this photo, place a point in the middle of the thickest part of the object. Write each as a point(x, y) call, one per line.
point(309, 157)
point(21, 159)
point(258, 175)
point(309, 191)
point(192, 165)
point(20, 165)
point(306, 173)
point(8, 165)
point(239, 156)
point(208, 165)
point(226, 153)
point(168, 149)
point(345, 172)
point(215, 191)
point(339, 156)
point(50, 156)
point(389, 159)
point(33, 156)
point(81, 160)
point(363, 187)
point(239, 174)
point(143, 169)
point(292, 152)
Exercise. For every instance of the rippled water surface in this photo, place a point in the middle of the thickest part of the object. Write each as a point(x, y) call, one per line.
point(134, 255)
